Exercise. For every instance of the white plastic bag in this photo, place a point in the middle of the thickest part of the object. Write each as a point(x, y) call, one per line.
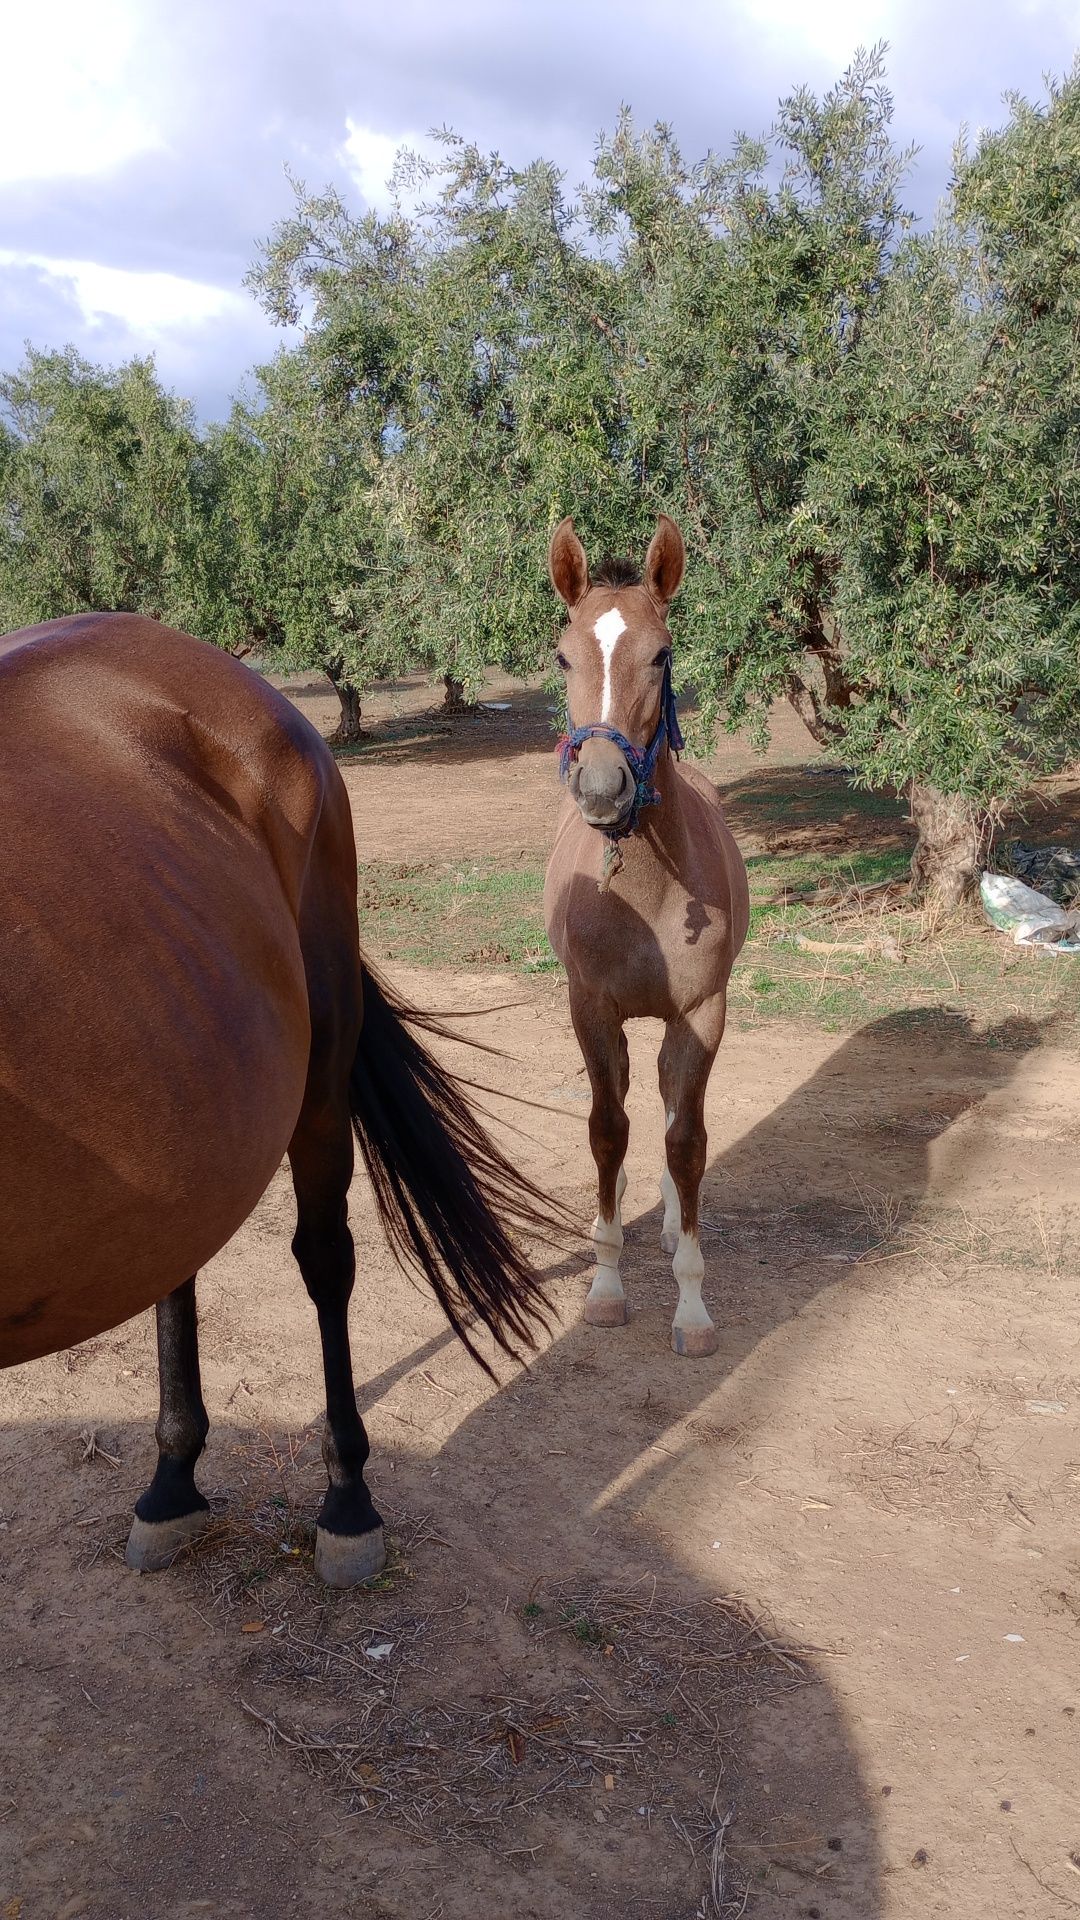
point(1033, 919)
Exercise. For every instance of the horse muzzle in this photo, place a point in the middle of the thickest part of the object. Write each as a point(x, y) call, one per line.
point(603, 785)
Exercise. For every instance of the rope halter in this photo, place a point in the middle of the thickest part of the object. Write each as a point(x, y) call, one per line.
point(641, 761)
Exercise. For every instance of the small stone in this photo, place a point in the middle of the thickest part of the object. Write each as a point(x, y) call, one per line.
point(920, 1857)
point(885, 1792)
point(1006, 1806)
point(836, 1845)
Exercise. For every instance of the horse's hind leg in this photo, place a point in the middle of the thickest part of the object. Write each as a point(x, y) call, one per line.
point(349, 1543)
point(603, 1044)
point(172, 1510)
point(686, 1059)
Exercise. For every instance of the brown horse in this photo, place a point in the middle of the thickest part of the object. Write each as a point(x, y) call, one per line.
point(183, 1002)
point(645, 900)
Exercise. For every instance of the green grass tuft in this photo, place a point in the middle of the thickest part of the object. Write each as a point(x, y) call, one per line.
point(476, 913)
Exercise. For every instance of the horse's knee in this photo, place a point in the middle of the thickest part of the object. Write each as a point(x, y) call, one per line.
point(609, 1134)
point(687, 1144)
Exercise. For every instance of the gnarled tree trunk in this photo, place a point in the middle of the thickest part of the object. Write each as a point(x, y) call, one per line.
point(348, 727)
point(454, 700)
point(954, 837)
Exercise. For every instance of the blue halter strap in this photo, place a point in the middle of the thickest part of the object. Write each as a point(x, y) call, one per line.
point(641, 760)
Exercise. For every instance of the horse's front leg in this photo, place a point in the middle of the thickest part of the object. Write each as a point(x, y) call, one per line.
point(172, 1510)
point(598, 1025)
point(686, 1058)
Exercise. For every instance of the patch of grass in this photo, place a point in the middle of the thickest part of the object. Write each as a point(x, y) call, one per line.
point(795, 809)
point(462, 913)
point(478, 913)
point(588, 1631)
point(960, 967)
point(770, 873)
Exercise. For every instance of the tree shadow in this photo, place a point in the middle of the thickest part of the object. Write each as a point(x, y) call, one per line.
point(814, 810)
point(433, 736)
point(606, 1434)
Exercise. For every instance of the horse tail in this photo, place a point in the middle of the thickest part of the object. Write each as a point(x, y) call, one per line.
point(447, 1198)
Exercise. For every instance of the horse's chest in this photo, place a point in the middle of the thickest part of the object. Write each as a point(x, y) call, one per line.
point(653, 957)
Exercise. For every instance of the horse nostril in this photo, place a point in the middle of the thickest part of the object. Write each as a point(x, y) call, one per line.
point(624, 779)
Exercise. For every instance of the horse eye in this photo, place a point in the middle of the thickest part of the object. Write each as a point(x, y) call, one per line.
point(563, 662)
point(662, 657)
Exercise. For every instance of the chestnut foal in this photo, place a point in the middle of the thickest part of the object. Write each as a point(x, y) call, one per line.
point(645, 900)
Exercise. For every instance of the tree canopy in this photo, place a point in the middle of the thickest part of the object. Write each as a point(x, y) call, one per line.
point(869, 434)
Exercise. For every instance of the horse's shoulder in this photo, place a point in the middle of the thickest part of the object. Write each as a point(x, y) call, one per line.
point(700, 783)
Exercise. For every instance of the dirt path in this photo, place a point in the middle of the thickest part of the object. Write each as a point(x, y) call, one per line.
point(879, 1472)
point(436, 787)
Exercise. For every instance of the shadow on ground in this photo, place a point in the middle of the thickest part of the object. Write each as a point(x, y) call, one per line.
point(228, 1738)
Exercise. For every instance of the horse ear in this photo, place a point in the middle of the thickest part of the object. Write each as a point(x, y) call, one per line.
point(665, 561)
point(567, 564)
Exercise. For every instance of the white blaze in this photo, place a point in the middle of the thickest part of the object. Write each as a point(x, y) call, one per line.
point(607, 630)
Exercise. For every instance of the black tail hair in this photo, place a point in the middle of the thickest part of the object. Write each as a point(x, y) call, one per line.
point(447, 1198)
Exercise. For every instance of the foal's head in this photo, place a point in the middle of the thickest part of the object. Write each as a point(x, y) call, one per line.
point(614, 654)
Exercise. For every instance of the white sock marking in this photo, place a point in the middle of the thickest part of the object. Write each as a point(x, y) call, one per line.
point(689, 1270)
point(607, 630)
point(608, 1242)
point(669, 1194)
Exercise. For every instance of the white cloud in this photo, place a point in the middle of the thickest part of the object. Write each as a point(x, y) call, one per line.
point(829, 31)
point(76, 99)
point(370, 157)
point(143, 143)
point(149, 303)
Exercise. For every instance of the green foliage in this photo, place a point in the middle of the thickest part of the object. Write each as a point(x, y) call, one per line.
point(100, 475)
point(311, 564)
point(482, 323)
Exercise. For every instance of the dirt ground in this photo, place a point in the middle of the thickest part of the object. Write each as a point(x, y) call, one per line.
point(826, 1582)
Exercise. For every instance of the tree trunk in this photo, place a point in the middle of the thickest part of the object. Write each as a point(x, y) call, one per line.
point(454, 700)
point(805, 701)
point(954, 838)
point(348, 728)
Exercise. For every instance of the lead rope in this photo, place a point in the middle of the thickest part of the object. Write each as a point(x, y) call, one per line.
point(612, 863)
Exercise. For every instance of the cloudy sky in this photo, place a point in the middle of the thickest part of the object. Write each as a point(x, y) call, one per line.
point(144, 143)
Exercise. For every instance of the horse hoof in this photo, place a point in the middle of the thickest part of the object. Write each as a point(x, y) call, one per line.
point(154, 1544)
point(669, 1243)
point(348, 1559)
point(605, 1312)
point(694, 1343)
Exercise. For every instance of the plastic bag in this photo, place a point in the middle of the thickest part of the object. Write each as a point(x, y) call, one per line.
point(1033, 919)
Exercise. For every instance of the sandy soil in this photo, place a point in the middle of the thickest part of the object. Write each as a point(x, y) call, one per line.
point(881, 1468)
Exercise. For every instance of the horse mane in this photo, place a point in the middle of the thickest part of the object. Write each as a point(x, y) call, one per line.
point(615, 573)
